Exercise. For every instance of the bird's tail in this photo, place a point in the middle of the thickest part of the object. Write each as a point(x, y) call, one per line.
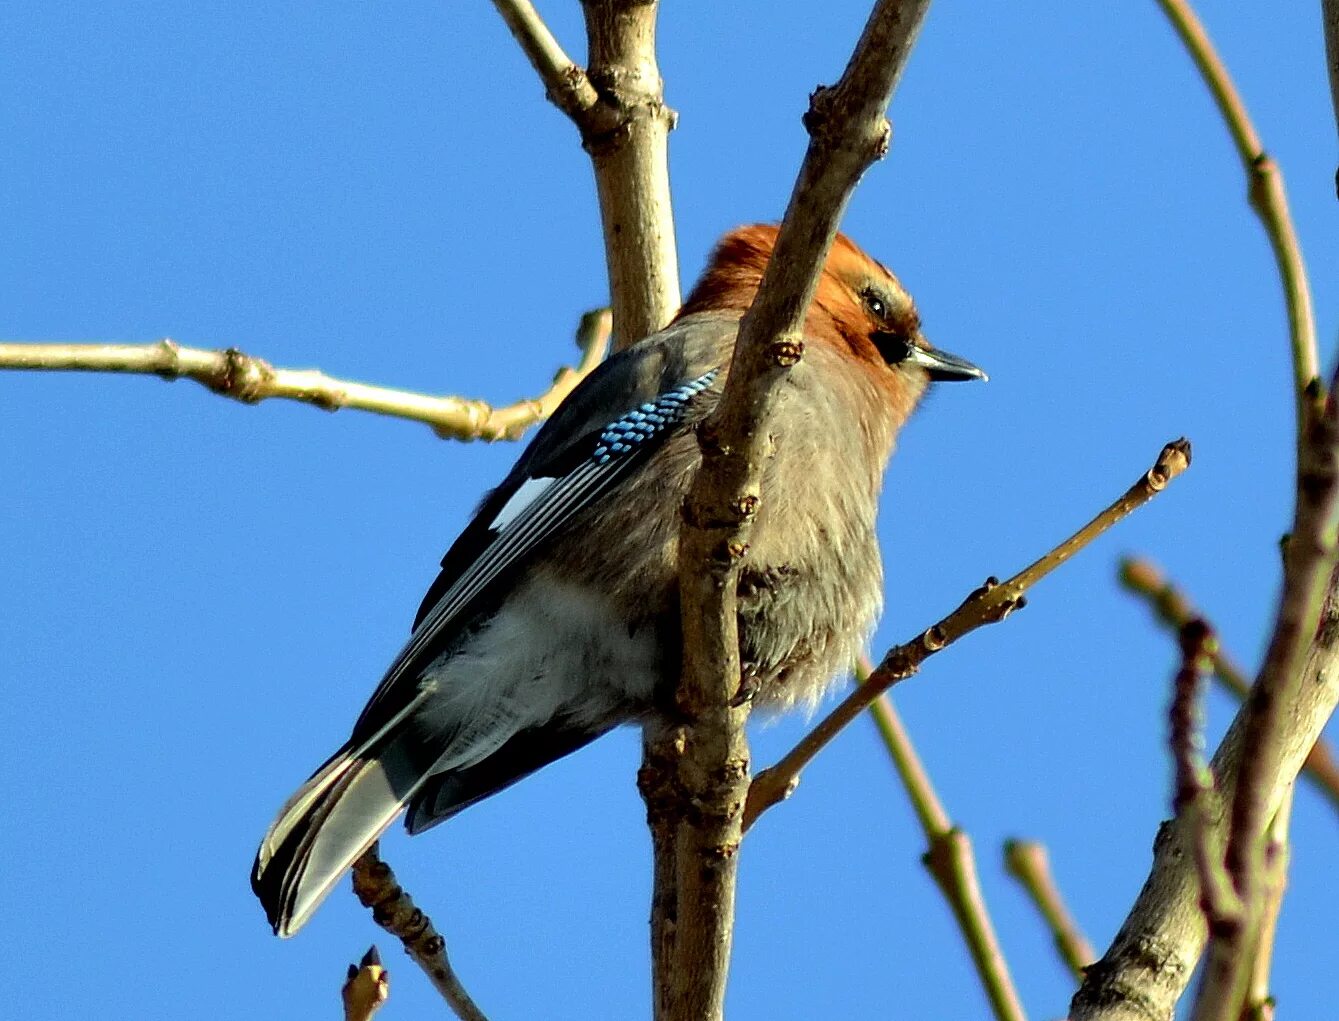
point(332, 819)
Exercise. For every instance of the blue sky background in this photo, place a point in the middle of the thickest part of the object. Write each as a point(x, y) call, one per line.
point(198, 596)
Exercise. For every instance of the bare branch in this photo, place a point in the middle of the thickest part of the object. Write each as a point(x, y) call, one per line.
point(618, 105)
point(393, 910)
point(1259, 1001)
point(1151, 959)
point(950, 861)
point(567, 86)
point(1174, 610)
point(848, 132)
point(1266, 192)
point(366, 988)
point(243, 377)
point(1028, 862)
point(1330, 15)
point(619, 108)
point(1195, 787)
point(987, 605)
point(1309, 561)
point(631, 164)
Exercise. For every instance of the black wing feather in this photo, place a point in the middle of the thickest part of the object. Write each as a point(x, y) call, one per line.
point(480, 564)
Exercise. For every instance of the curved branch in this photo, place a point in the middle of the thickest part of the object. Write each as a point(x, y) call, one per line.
point(950, 861)
point(250, 380)
point(1265, 189)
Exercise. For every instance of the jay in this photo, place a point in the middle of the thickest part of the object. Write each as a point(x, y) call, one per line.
point(555, 616)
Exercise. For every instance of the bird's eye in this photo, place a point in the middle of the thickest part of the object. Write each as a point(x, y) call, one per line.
point(878, 308)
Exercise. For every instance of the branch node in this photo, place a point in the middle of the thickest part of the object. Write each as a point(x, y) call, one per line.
point(785, 352)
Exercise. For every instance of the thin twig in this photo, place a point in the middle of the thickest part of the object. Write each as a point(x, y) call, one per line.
point(394, 911)
point(567, 85)
point(1195, 788)
point(1174, 610)
point(1265, 190)
point(1028, 862)
point(848, 131)
point(1259, 1001)
point(366, 988)
point(987, 605)
point(950, 861)
point(250, 380)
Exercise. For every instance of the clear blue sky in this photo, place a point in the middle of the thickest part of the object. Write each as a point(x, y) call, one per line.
point(198, 596)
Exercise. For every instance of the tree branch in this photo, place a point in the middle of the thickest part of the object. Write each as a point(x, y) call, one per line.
point(1195, 787)
point(1266, 192)
point(618, 105)
point(250, 380)
point(1151, 959)
point(393, 910)
point(1173, 610)
point(1309, 561)
point(1259, 1001)
point(566, 85)
point(619, 109)
point(1028, 862)
point(848, 132)
point(366, 988)
point(987, 605)
point(950, 861)
point(1330, 16)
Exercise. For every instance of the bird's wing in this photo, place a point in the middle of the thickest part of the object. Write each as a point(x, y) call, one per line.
point(605, 430)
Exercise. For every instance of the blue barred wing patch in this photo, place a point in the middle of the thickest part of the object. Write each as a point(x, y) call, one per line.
point(626, 434)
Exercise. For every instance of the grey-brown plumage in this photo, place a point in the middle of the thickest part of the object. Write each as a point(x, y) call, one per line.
point(555, 617)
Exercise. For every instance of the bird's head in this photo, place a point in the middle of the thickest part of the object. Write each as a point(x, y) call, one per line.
point(859, 307)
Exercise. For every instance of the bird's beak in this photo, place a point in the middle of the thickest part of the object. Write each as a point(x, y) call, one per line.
point(942, 366)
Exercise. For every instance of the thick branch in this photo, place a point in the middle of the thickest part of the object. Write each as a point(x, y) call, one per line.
point(950, 861)
point(243, 377)
point(631, 161)
point(987, 605)
point(1148, 965)
point(393, 910)
point(1309, 561)
point(848, 132)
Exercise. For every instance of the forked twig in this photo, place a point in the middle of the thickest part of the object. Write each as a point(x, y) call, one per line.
point(987, 605)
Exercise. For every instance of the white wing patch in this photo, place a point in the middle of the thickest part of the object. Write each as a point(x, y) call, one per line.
point(529, 491)
point(539, 508)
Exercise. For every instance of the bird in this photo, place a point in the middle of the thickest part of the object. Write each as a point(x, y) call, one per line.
point(554, 618)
